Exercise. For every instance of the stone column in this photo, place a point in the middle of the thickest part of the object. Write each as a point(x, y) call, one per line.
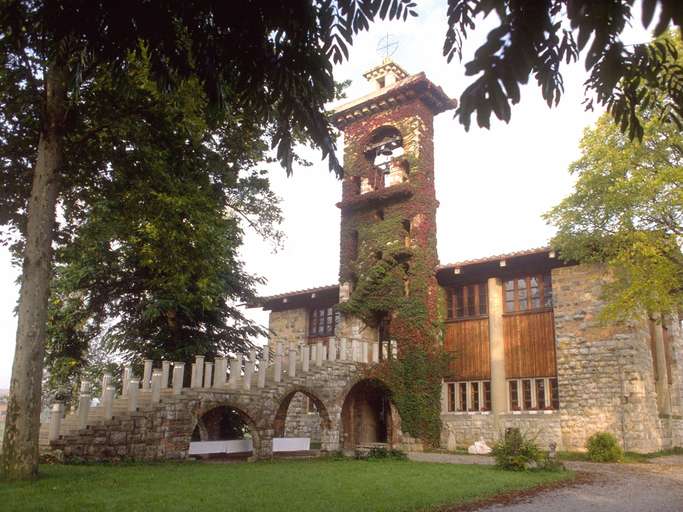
point(497, 347)
point(108, 402)
point(292, 362)
point(319, 353)
point(235, 372)
point(106, 381)
point(305, 358)
point(219, 372)
point(156, 386)
point(165, 371)
point(208, 374)
point(332, 349)
point(55, 420)
point(83, 409)
point(343, 348)
point(147, 374)
point(277, 374)
point(248, 374)
point(178, 377)
point(364, 351)
point(133, 389)
point(193, 376)
point(199, 369)
point(662, 382)
point(262, 369)
point(127, 375)
point(375, 352)
point(354, 350)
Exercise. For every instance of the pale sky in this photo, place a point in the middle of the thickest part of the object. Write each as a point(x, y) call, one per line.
point(493, 185)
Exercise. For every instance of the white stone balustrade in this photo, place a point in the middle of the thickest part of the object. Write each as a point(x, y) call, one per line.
point(235, 372)
point(208, 374)
point(305, 358)
point(277, 369)
point(133, 389)
point(375, 352)
point(262, 369)
point(199, 369)
point(292, 362)
point(355, 351)
point(364, 353)
point(165, 372)
point(178, 377)
point(55, 420)
point(332, 349)
point(343, 349)
point(147, 374)
point(106, 381)
point(193, 376)
point(108, 402)
point(83, 409)
point(220, 372)
point(127, 375)
point(248, 373)
point(156, 386)
point(319, 356)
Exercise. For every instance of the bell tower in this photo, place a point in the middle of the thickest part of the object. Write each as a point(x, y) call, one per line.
point(388, 290)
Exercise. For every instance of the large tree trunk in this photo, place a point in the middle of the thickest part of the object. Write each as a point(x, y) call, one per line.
point(20, 446)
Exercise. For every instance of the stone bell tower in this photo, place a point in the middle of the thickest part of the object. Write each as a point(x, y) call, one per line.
point(388, 209)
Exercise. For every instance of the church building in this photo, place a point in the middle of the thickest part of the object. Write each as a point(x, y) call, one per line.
point(523, 328)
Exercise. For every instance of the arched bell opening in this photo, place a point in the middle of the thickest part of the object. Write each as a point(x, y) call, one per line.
point(301, 416)
point(384, 151)
point(224, 431)
point(368, 416)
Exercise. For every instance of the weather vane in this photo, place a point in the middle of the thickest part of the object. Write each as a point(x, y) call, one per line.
point(387, 46)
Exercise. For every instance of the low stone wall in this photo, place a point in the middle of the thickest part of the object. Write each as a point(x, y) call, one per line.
point(460, 430)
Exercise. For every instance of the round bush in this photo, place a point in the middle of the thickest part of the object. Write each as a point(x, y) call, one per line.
point(604, 447)
point(515, 452)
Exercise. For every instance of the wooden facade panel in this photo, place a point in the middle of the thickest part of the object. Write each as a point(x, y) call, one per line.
point(529, 345)
point(468, 342)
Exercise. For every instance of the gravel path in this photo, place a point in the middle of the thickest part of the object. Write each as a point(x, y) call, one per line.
point(653, 487)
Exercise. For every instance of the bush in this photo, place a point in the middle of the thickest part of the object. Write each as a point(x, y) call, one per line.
point(383, 453)
point(604, 447)
point(515, 452)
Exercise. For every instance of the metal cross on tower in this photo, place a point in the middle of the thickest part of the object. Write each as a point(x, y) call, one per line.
point(387, 46)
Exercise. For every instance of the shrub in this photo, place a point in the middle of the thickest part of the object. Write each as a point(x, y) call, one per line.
point(383, 453)
point(516, 452)
point(604, 447)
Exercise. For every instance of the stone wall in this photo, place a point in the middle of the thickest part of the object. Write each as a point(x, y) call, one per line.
point(300, 422)
point(289, 326)
point(605, 372)
point(460, 430)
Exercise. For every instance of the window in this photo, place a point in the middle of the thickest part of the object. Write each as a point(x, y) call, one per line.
point(322, 321)
point(467, 301)
point(537, 394)
point(470, 396)
point(528, 293)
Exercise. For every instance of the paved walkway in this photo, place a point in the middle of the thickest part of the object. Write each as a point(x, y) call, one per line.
point(653, 487)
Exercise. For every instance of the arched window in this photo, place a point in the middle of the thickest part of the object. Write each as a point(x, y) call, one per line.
point(383, 151)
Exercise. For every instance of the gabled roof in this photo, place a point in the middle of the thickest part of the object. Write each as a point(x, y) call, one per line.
point(298, 298)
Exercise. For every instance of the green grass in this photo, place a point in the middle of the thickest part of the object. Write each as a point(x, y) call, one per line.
point(629, 457)
point(307, 485)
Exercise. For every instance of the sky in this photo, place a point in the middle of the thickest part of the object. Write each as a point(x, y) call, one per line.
point(493, 185)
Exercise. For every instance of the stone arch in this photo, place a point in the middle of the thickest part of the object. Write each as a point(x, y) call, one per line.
point(280, 416)
point(368, 414)
point(207, 409)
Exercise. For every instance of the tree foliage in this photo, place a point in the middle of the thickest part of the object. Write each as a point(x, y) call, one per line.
point(627, 211)
point(536, 38)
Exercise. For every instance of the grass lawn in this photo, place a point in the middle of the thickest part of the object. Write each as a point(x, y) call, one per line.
point(306, 485)
point(629, 457)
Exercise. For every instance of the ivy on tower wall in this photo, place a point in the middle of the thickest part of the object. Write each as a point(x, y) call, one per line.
point(394, 277)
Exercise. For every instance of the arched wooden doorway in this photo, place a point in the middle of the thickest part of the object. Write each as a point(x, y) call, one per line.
point(368, 417)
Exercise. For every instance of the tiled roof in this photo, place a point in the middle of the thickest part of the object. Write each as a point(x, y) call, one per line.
point(496, 257)
point(305, 291)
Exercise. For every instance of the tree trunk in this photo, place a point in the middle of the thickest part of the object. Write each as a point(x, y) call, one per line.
point(20, 446)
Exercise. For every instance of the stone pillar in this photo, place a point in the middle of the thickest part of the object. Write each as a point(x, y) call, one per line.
point(208, 374)
point(235, 372)
point(219, 372)
point(178, 377)
point(83, 409)
point(364, 351)
point(165, 371)
point(262, 369)
point(332, 349)
point(292, 362)
point(305, 358)
point(375, 352)
point(354, 350)
point(106, 381)
point(193, 376)
point(156, 386)
point(662, 382)
point(127, 375)
point(277, 374)
point(147, 374)
point(319, 353)
point(55, 420)
point(497, 348)
point(108, 402)
point(199, 369)
point(311, 349)
point(343, 348)
point(248, 374)
point(133, 389)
